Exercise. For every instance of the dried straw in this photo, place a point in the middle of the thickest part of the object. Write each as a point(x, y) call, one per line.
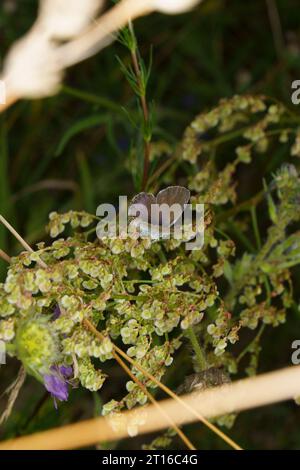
point(241, 395)
point(63, 36)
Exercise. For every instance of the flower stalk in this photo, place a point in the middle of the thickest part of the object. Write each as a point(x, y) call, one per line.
point(197, 349)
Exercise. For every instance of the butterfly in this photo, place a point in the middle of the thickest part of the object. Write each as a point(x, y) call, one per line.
point(154, 216)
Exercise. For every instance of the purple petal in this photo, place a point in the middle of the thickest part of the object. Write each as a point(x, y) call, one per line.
point(56, 386)
point(66, 371)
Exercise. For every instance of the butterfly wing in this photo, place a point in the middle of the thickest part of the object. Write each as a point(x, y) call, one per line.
point(141, 206)
point(174, 195)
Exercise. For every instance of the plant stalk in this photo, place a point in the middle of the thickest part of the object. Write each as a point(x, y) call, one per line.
point(197, 349)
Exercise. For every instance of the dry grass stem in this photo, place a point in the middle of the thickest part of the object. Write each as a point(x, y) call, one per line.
point(240, 395)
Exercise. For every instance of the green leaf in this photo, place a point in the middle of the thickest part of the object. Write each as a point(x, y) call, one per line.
point(77, 128)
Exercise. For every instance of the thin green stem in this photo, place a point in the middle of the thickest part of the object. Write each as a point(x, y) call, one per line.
point(242, 207)
point(142, 93)
point(144, 105)
point(255, 227)
point(255, 340)
point(91, 98)
point(241, 236)
point(197, 348)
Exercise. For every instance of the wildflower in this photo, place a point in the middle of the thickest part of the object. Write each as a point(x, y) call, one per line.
point(57, 382)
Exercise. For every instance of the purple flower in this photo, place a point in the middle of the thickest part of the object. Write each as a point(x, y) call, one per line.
point(57, 382)
point(57, 387)
point(66, 371)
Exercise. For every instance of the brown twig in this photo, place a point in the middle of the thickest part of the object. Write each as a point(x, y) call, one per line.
point(13, 392)
point(20, 239)
point(4, 256)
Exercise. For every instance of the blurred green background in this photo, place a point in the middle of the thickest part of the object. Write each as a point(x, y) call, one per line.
point(71, 152)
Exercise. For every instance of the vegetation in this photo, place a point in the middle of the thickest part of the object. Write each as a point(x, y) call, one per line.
point(125, 121)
